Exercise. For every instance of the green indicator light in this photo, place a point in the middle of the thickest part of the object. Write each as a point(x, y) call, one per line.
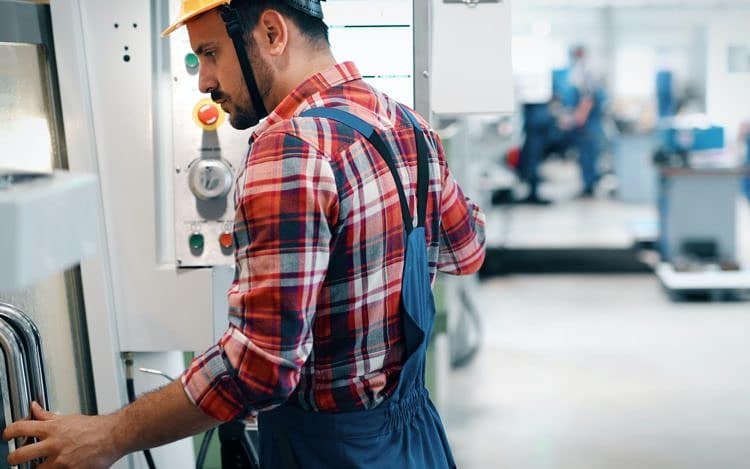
point(191, 61)
point(196, 242)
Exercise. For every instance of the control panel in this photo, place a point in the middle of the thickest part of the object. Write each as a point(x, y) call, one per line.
point(207, 154)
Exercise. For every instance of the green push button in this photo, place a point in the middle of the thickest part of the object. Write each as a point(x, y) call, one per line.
point(196, 242)
point(191, 61)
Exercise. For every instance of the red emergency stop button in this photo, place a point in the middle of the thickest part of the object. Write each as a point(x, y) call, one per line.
point(226, 241)
point(208, 115)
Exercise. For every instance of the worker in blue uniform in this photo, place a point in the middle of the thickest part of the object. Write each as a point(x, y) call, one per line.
point(587, 100)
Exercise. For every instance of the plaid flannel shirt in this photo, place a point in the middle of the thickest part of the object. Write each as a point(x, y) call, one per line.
point(319, 239)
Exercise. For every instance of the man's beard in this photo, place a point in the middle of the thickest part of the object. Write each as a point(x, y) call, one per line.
point(243, 118)
point(244, 115)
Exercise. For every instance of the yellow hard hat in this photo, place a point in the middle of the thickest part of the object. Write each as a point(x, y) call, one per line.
point(192, 8)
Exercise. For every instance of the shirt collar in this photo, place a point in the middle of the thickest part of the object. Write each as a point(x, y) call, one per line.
point(299, 99)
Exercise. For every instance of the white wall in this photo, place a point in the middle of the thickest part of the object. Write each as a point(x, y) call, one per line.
point(668, 39)
point(728, 94)
point(631, 43)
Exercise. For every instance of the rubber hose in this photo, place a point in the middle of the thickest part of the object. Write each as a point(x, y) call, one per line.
point(203, 452)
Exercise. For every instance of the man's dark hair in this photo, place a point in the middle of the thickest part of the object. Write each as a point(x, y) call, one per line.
point(313, 28)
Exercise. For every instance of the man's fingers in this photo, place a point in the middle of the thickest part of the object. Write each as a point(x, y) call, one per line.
point(40, 414)
point(25, 428)
point(28, 453)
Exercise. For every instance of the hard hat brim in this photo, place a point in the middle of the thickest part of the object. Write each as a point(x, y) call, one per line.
point(180, 22)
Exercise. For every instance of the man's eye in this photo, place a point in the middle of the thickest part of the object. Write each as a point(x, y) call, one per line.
point(210, 53)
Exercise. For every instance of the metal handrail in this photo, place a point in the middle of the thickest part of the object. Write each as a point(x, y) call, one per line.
point(31, 340)
point(7, 414)
point(16, 376)
point(18, 381)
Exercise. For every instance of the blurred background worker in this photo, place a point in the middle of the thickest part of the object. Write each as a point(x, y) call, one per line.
point(538, 124)
point(587, 101)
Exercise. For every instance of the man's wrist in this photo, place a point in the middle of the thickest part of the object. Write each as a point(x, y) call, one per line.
point(122, 433)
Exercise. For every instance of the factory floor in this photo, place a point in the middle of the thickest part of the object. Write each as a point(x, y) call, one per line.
point(603, 372)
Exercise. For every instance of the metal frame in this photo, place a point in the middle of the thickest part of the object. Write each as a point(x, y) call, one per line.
point(22, 22)
point(80, 138)
point(422, 54)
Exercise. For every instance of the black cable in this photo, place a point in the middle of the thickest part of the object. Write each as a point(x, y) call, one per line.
point(131, 397)
point(203, 452)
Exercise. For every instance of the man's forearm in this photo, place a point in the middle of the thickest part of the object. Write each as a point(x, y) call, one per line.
point(158, 418)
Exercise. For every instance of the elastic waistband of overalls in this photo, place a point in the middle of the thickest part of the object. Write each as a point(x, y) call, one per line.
point(356, 424)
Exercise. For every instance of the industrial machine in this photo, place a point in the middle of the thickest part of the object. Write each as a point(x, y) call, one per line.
point(699, 188)
point(49, 227)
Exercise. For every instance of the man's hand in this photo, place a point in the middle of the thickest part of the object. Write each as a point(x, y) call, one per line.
point(66, 442)
point(77, 441)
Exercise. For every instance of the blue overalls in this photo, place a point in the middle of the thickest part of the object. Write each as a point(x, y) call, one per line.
point(405, 431)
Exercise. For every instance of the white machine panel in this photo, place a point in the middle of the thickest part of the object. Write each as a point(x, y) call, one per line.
point(207, 153)
point(471, 57)
point(49, 225)
point(158, 307)
point(378, 38)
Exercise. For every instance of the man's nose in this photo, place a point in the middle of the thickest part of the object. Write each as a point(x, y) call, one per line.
point(207, 82)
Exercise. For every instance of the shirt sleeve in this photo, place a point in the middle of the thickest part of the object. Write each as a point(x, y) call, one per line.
point(283, 226)
point(462, 240)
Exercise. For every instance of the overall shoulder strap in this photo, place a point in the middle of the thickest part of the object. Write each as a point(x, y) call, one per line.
point(423, 167)
point(368, 131)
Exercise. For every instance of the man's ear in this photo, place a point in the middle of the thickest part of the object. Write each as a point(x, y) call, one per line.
point(274, 32)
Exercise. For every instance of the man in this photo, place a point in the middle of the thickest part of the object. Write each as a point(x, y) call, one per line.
point(322, 341)
point(587, 118)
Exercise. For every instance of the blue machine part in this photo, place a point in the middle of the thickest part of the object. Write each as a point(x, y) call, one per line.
point(664, 93)
point(695, 139)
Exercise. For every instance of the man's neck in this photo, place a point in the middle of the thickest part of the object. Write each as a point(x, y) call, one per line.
point(296, 75)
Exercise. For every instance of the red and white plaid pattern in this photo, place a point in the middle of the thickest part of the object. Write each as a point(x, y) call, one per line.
point(314, 307)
